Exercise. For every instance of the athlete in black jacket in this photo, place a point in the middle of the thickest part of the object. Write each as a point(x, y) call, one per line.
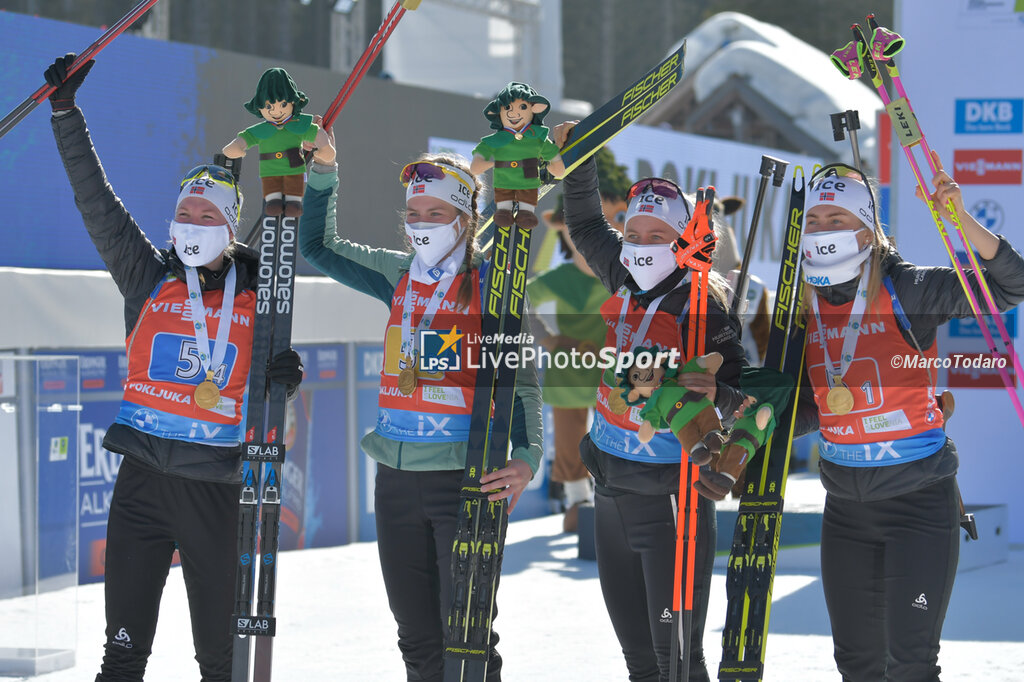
point(179, 424)
point(890, 532)
point(636, 485)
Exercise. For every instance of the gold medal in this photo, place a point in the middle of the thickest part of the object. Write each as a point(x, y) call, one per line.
point(839, 399)
point(207, 394)
point(407, 381)
point(616, 403)
point(519, 136)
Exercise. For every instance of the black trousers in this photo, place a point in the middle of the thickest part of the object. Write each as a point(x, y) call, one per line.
point(887, 568)
point(416, 518)
point(635, 538)
point(150, 514)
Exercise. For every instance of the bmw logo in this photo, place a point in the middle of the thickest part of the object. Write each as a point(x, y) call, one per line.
point(988, 213)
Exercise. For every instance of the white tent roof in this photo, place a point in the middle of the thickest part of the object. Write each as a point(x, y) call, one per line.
point(797, 77)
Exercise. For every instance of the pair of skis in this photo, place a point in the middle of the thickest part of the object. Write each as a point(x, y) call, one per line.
point(750, 571)
point(860, 57)
point(480, 533)
point(263, 452)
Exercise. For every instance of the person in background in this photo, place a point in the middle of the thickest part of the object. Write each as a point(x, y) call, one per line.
point(578, 295)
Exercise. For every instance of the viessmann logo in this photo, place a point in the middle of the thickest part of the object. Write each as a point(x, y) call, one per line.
point(987, 166)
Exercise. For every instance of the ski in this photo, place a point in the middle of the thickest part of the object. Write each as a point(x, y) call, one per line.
point(605, 122)
point(751, 567)
point(263, 453)
point(480, 533)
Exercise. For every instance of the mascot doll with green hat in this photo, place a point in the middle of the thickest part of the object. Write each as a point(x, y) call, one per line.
point(688, 414)
point(515, 152)
point(280, 138)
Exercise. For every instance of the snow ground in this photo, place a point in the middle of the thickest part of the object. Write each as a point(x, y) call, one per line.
point(334, 623)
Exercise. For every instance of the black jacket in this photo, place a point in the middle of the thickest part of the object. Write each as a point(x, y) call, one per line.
point(600, 245)
point(930, 296)
point(137, 267)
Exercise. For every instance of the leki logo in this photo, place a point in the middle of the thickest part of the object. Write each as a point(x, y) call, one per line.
point(987, 166)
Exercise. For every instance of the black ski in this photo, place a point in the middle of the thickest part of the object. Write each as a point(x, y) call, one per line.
point(755, 544)
point(260, 497)
point(480, 534)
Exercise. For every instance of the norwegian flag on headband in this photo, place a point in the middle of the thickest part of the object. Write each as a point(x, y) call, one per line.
point(419, 189)
point(827, 196)
point(197, 189)
point(645, 208)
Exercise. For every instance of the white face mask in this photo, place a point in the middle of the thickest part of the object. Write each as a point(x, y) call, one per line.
point(648, 263)
point(832, 257)
point(433, 241)
point(199, 244)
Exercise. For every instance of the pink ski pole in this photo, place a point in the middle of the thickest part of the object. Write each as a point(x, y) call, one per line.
point(851, 60)
point(884, 45)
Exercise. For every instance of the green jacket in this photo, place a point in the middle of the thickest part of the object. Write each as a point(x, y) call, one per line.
point(376, 272)
point(503, 146)
point(578, 298)
point(270, 139)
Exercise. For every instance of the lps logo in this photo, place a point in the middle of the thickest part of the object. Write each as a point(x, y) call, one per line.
point(988, 213)
point(987, 166)
point(441, 351)
point(974, 116)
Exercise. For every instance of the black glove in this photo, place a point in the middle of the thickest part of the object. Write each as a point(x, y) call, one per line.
point(286, 368)
point(63, 98)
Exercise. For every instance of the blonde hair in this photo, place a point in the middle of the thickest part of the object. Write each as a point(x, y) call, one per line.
point(464, 296)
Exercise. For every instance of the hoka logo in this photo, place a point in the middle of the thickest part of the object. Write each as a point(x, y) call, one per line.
point(840, 430)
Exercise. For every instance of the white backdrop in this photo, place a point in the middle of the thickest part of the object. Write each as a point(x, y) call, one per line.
point(960, 68)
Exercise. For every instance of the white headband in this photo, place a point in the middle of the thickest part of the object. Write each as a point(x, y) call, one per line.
point(220, 194)
point(844, 192)
point(673, 212)
point(455, 188)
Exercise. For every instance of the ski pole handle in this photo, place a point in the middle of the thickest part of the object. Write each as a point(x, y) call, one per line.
point(848, 120)
point(776, 168)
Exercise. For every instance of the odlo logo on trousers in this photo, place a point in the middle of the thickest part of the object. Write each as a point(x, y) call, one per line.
point(122, 639)
point(666, 616)
point(921, 603)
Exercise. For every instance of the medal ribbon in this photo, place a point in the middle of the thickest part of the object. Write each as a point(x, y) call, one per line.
point(853, 326)
point(641, 331)
point(408, 331)
point(195, 301)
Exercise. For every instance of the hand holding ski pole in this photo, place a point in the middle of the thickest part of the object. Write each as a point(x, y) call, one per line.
point(63, 97)
point(947, 193)
point(508, 482)
point(328, 155)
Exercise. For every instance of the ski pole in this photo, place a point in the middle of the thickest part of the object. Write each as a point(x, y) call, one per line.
point(851, 60)
point(770, 166)
point(885, 44)
point(36, 98)
point(373, 49)
point(848, 121)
